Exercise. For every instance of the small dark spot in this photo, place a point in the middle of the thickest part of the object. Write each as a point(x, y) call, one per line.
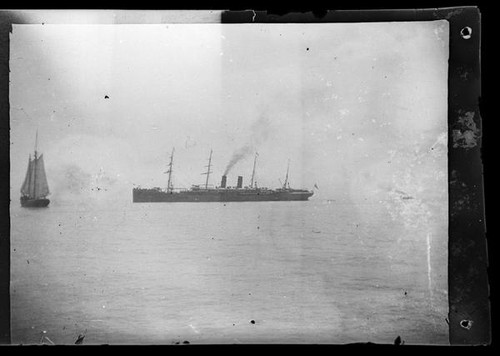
point(406, 293)
point(177, 342)
point(233, 324)
point(252, 321)
point(307, 49)
point(397, 342)
point(258, 227)
point(185, 342)
point(106, 97)
point(14, 250)
point(79, 341)
point(28, 261)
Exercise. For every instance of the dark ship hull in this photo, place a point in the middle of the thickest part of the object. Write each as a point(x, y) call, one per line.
point(34, 203)
point(155, 195)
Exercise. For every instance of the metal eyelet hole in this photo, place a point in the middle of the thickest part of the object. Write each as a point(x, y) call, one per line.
point(466, 32)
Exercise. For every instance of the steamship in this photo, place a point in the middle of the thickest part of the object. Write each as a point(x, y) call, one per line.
point(222, 193)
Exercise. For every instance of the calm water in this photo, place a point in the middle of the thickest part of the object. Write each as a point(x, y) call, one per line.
point(304, 272)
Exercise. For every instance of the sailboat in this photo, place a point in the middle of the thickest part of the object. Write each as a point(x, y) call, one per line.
point(35, 187)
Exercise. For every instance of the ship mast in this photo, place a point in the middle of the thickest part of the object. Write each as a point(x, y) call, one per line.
point(253, 171)
point(34, 163)
point(169, 184)
point(208, 169)
point(36, 142)
point(286, 177)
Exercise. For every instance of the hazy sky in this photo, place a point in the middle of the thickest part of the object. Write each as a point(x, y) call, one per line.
point(359, 109)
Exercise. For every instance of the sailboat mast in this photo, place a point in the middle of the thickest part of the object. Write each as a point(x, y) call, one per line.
point(253, 170)
point(30, 171)
point(286, 177)
point(36, 142)
point(208, 170)
point(34, 165)
point(169, 184)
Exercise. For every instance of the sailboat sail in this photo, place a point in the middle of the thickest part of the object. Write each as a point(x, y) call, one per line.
point(25, 189)
point(35, 183)
point(41, 185)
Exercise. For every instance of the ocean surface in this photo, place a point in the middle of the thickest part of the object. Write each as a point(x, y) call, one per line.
point(255, 272)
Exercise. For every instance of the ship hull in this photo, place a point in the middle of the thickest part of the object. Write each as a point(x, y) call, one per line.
point(34, 203)
point(230, 195)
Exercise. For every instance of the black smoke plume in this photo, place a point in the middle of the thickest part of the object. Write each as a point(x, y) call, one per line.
point(259, 132)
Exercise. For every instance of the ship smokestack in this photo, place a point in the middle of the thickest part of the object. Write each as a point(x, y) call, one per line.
point(223, 182)
point(240, 182)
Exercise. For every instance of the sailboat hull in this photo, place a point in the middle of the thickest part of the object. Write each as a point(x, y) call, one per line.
point(34, 203)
